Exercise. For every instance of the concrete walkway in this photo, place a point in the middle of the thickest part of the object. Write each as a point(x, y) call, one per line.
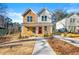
point(42, 48)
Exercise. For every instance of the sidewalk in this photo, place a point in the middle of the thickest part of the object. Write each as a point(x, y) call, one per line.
point(42, 48)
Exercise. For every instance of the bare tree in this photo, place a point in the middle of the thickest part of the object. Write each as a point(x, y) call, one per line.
point(59, 14)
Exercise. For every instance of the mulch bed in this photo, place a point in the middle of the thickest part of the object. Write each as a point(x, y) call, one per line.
point(4, 39)
point(63, 48)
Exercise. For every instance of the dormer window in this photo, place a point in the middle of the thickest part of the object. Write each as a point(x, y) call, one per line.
point(44, 18)
point(29, 18)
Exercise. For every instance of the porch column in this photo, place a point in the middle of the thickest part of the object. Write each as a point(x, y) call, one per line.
point(36, 30)
point(43, 31)
point(49, 29)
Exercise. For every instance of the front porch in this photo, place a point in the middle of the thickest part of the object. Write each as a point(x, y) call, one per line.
point(39, 30)
point(36, 29)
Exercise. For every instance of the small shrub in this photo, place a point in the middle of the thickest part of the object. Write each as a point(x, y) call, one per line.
point(45, 35)
point(4, 39)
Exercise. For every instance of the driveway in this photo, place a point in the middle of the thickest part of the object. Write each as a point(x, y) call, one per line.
point(42, 47)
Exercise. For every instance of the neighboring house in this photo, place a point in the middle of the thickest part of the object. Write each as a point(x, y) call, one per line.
point(2, 21)
point(71, 23)
point(14, 28)
point(60, 25)
point(7, 27)
point(37, 24)
point(2, 25)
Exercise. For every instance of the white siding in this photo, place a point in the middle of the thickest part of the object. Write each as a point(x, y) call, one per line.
point(61, 24)
point(45, 13)
point(76, 24)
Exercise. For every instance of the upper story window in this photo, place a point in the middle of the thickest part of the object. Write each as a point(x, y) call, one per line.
point(72, 20)
point(44, 18)
point(29, 18)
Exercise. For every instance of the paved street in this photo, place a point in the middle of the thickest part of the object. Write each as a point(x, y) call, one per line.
point(42, 48)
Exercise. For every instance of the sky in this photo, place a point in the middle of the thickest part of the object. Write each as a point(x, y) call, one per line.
point(15, 10)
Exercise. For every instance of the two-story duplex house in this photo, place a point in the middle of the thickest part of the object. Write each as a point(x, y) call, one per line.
point(37, 23)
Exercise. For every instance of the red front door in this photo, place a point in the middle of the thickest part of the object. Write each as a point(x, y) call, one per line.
point(40, 30)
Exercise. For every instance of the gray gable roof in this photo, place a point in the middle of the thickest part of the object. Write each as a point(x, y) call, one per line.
point(28, 10)
point(44, 9)
point(69, 15)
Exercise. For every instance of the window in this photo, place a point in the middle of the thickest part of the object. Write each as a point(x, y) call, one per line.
point(34, 30)
point(45, 28)
point(72, 20)
point(29, 18)
point(44, 18)
point(69, 27)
